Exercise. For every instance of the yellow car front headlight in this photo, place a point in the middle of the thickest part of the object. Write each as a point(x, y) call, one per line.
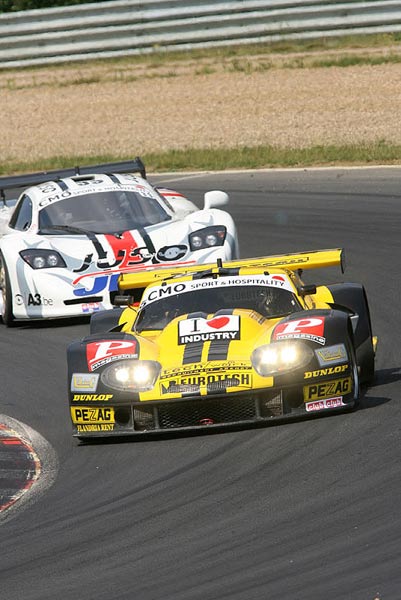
point(279, 357)
point(132, 375)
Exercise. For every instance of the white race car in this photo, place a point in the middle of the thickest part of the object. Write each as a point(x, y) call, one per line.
point(74, 231)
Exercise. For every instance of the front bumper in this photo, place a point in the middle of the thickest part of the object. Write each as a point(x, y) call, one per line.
point(200, 413)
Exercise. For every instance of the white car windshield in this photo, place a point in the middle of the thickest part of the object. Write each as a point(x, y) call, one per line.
point(103, 212)
point(270, 302)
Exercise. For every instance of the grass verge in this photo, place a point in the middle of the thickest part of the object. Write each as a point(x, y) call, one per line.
point(344, 51)
point(257, 157)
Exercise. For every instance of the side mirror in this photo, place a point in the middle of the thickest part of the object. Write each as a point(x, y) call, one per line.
point(215, 198)
point(307, 290)
point(123, 300)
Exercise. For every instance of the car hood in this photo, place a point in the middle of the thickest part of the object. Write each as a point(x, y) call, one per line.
point(201, 352)
point(162, 243)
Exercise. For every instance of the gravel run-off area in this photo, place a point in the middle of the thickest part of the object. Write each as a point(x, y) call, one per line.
point(130, 109)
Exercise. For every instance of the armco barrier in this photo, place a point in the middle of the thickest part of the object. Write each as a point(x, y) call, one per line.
point(129, 27)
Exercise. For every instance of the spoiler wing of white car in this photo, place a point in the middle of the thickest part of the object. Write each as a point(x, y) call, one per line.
point(16, 181)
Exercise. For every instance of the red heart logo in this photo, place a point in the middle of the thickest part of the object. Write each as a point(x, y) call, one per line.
point(218, 322)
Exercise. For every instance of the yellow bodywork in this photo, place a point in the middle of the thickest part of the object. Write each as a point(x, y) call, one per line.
point(143, 277)
point(236, 366)
point(163, 347)
point(197, 369)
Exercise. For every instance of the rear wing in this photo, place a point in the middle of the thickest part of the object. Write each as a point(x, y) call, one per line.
point(15, 181)
point(315, 259)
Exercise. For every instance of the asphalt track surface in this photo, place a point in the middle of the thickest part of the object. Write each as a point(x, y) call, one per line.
point(301, 511)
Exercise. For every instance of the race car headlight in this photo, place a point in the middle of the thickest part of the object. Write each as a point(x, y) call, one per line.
point(42, 259)
point(279, 357)
point(207, 237)
point(131, 375)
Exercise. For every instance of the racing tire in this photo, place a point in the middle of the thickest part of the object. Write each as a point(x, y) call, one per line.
point(366, 362)
point(357, 383)
point(7, 308)
point(353, 297)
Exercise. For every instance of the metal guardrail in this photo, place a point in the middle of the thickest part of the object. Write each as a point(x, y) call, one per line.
point(131, 27)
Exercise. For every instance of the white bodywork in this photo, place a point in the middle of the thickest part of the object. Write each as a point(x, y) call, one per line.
point(93, 262)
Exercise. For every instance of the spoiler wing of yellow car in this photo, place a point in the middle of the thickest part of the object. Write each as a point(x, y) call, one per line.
point(314, 259)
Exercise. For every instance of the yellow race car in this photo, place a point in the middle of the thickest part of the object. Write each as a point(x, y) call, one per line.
point(217, 345)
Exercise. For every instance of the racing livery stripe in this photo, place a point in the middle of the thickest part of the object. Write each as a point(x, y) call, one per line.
point(148, 243)
point(192, 353)
point(197, 315)
point(62, 185)
point(122, 246)
point(98, 246)
point(168, 192)
point(113, 178)
point(218, 349)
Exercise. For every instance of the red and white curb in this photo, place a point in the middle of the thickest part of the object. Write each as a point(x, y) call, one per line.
point(20, 467)
point(28, 465)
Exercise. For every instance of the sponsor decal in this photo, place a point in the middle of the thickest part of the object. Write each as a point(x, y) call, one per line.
point(144, 191)
point(125, 252)
point(156, 293)
point(92, 397)
point(90, 307)
point(327, 371)
point(194, 383)
point(257, 317)
point(87, 186)
point(331, 354)
point(322, 404)
point(38, 300)
point(55, 198)
point(159, 292)
point(97, 427)
point(280, 281)
point(92, 415)
point(328, 388)
point(287, 261)
point(311, 328)
point(209, 367)
point(84, 381)
point(224, 327)
point(168, 253)
point(113, 251)
point(101, 353)
point(108, 282)
point(33, 300)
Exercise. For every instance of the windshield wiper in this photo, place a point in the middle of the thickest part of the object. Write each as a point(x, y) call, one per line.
point(66, 228)
point(79, 230)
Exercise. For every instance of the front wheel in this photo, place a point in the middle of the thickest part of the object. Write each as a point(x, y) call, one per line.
point(366, 359)
point(5, 289)
point(352, 297)
point(357, 383)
